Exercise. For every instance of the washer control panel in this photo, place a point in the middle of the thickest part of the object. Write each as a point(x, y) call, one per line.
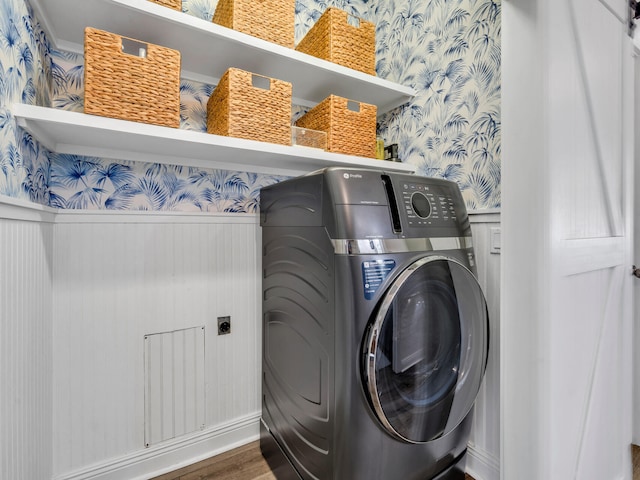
point(427, 205)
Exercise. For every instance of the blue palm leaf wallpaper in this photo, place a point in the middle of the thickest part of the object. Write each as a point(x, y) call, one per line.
point(24, 77)
point(448, 50)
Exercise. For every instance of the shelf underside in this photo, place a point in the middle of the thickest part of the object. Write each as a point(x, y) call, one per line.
point(81, 134)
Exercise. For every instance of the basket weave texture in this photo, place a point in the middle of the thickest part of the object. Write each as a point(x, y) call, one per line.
point(349, 132)
point(130, 87)
point(271, 20)
point(237, 108)
point(174, 4)
point(332, 38)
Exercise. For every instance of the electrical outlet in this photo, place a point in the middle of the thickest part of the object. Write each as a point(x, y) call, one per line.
point(224, 325)
point(495, 236)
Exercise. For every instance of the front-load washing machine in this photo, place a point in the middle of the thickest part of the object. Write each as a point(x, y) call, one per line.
point(375, 330)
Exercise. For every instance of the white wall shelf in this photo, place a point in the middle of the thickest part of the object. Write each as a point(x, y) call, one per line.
point(208, 49)
point(81, 134)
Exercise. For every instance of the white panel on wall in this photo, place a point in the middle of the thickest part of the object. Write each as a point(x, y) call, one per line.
point(174, 372)
point(121, 276)
point(483, 461)
point(25, 349)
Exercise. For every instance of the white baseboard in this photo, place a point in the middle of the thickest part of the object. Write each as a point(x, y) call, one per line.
point(173, 454)
point(481, 465)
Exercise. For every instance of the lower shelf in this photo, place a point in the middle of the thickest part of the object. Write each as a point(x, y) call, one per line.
point(81, 134)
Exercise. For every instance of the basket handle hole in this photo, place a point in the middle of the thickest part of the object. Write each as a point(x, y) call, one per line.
point(132, 47)
point(353, 21)
point(353, 106)
point(260, 82)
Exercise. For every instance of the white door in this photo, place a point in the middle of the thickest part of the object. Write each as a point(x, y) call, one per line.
point(566, 340)
point(636, 253)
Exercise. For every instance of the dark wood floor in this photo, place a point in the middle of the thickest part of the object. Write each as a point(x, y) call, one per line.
point(247, 463)
point(243, 463)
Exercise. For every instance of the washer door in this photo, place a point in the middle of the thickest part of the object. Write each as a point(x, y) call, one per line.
point(425, 352)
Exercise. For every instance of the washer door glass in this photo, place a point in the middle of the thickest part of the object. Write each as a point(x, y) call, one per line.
point(425, 352)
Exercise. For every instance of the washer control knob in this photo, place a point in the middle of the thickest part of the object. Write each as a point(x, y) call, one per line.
point(420, 204)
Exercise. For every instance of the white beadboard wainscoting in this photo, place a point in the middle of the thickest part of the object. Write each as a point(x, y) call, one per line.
point(80, 292)
point(483, 459)
point(122, 276)
point(26, 252)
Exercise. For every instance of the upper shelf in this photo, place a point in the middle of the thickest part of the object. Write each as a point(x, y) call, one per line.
point(208, 49)
point(81, 134)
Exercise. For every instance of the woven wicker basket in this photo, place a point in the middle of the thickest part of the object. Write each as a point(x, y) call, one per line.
point(129, 87)
point(349, 131)
point(271, 20)
point(174, 4)
point(237, 108)
point(333, 38)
